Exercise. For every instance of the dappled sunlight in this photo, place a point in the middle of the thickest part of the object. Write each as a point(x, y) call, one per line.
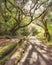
point(37, 55)
point(34, 40)
point(25, 55)
point(33, 57)
point(25, 32)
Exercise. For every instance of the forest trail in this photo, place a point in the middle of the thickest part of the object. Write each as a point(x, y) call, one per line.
point(4, 42)
point(36, 54)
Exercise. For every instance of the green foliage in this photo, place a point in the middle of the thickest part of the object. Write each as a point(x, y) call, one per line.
point(49, 17)
point(12, 17)
point(42, 37)
point(34, 31)
point(25, 32)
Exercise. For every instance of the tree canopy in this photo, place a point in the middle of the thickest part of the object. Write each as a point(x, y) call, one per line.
point(18, 14)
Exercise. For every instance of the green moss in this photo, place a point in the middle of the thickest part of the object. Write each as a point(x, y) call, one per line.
point(7, 49)
point(2, 61)
point(10, 46)
point(41, 35)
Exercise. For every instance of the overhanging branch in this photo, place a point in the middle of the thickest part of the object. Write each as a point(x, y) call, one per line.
point(18, 8)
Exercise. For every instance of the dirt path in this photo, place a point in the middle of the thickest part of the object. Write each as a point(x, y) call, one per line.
point(4, 42)
point(36, 54)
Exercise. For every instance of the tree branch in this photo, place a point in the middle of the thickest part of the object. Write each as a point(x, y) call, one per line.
point(18, 8)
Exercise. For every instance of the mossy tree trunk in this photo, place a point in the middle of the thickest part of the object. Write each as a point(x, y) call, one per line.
point(46, 33)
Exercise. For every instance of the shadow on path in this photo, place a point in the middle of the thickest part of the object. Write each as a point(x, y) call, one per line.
point(38, 56)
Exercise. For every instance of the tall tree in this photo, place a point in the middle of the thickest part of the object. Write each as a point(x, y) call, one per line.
point(19, 12)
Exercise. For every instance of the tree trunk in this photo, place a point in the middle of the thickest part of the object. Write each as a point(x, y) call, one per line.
point(47, 35)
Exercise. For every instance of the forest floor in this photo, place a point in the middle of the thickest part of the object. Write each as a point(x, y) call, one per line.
point(37, 53)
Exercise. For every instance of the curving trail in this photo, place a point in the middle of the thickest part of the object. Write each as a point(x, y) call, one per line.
point(36, 54)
